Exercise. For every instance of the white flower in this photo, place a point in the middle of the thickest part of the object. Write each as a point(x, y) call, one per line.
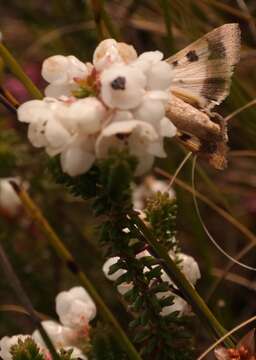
point(75, 308)
point(110, 51)
point(60, 336)
point(78, 156)
point(152, 107)
point(139, 137)
point(158, 73)
point(179, 305)
point(61, 71)
point(83, 116)
point(7, 342)
point(9, 200)
point(122, 86)
point(76, 353)
point(44, 129)
point(189, 267)
point(106, 268)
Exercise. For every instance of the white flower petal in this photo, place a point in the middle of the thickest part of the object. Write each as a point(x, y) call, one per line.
point(55, 68)
point(179, 305)
point(110, 51)
point(56, 135)
point(167, 128)
point(76, 161)
point(156, 148)
point(75, 308)
point(122, 87)
point(106, 267)
point(7, 342)
point(149, 110)
point(31, 110)
point(59, 335)
point(159, 76)
point(9, 200)
point(145, 163)
point(83, 115)
point(36, 133)
point(57, 91)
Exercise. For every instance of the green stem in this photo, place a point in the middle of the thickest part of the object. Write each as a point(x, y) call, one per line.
point(64, 254)
point(103, 21)
point(197, 303)
point(17, 70)
point(25, 301)
point(166, 7)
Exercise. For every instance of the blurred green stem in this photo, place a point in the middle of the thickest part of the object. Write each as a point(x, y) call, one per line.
point(104, 25)
point(166, 7)
point(17, 70)
point(24, 300)
point(173, 271)
point(36, 215)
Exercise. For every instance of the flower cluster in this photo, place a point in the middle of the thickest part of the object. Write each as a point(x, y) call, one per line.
point(116, 102)
point(75, 309)
point(188, 266)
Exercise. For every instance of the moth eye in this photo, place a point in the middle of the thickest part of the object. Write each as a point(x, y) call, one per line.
point(185, 137)
point(192, 56)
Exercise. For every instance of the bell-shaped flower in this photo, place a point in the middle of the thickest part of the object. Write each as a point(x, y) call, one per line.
point(75, 308)
point(7, 342)
point(78, 157)
point(158, 72)
point(122, 86)
point(138, 137)
point(179, 305)
point(152, 107)
point(44, 129)
point(61, 71)
point(110, 51)
point(83, 116)
point(60, 336)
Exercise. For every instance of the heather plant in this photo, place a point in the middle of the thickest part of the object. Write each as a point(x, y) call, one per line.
point(91, 152)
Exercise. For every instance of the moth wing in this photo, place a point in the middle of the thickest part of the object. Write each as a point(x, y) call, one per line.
point(202, 71)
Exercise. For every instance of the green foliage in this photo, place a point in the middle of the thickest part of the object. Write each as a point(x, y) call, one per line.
point(161, 212)
point(104, 345)
point(157, 336)
point(26, 350)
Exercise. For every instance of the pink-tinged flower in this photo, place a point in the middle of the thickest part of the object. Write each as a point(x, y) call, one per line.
point(110, 51)
point(75, 308)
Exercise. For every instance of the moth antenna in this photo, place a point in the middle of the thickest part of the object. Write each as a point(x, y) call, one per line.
point(211, 238)
point(178, 170)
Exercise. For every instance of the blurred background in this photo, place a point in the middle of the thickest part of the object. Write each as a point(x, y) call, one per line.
point(34, 30)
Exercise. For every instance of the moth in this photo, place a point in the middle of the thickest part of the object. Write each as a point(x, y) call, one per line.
point(201, 80)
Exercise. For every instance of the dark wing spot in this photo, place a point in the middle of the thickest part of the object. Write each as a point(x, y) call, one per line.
point(192, 56)
point(216, 49)
point(118, 83)
point(175, 63)
point(213, 88)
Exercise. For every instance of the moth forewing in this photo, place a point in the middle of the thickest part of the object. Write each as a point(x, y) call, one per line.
point(201, 80)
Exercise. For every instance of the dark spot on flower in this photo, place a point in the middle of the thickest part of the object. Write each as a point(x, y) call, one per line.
point(175, 63)
point(15, 186)
point(123, 136)
point(192, 56)
point(118, 83)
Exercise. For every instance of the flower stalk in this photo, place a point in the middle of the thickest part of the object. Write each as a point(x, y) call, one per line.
point(197, 303)
point(36, 215)
point(25, 301)
point(17, 70)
